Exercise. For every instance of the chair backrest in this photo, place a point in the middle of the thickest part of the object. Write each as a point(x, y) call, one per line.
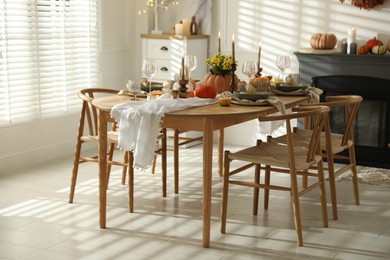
point(88, 111)
point(350, 104)
point(319, 116)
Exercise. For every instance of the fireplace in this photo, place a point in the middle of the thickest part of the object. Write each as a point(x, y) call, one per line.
point(364, 75)
point(372, 125)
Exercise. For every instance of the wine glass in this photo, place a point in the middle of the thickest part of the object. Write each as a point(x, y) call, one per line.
point(283, 62)
point(134, 87)
point(249, 68)
point(149, 69)
point(190, 62)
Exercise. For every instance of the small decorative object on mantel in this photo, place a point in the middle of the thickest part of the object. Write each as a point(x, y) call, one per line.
point(323, 41)
point(373, 42)
point(194, 30)
point(388, 45)
point(365, 4)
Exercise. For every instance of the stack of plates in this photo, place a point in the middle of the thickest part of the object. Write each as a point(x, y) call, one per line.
point(293, 89)
point(251, 96)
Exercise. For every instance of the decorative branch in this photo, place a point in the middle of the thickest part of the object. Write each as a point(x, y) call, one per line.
point(365, 4)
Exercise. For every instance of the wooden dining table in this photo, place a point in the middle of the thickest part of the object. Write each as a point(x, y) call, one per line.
point(205, 119)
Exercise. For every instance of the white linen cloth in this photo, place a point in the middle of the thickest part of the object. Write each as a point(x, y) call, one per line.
point(139, 124)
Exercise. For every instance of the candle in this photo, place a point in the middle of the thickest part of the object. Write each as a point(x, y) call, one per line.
point(179, 29)
point(186, 26)
point(233, 55)
point(219, 41)
point(351, 37)
point(182, 67)
point(344, 48)
point(259, 55)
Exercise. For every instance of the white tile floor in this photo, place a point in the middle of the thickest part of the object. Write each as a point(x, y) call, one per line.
point(36, 221)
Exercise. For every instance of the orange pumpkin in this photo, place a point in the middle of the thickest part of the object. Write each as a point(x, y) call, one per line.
point(221, 83)
point(388, 46)
point(363, 49)
point(205, 91)
point(373, 42)
point(323, 41)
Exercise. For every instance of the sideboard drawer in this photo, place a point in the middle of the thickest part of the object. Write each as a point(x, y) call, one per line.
point(158, 49)
point(164, 70)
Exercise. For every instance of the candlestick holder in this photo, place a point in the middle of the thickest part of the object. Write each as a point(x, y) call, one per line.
point(259, 70)
point(183, 88)
point(232, 82)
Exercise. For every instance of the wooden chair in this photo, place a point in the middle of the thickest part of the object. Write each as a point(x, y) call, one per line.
point(332, 143)
point(89, 122)
point(285, 158)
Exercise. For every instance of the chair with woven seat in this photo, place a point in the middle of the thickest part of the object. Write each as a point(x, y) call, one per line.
point(285, 158)
point(89, 122)
point(333, 143)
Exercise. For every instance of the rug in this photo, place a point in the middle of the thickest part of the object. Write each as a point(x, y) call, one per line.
point(369, 175)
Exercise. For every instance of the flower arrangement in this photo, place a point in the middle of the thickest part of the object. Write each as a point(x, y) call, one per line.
point(220, 64)
point(365, 4)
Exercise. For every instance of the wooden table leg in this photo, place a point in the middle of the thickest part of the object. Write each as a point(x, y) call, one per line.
point(207, 177)
point(102, 149)
point(221, 138)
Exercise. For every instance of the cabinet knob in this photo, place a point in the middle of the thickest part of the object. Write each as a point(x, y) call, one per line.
point(165, 69)
point(163, 48)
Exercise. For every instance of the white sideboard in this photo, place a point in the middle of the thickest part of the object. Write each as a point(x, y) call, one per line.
point(168, 50)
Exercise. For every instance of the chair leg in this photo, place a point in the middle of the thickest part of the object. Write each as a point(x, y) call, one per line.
point(131, 181)
point(153, 166)
point(355, 183)
point(176, 160)
point(164, 162)
point(75, 170)
point(332, 185)
point(256, 190)
point(267, 178)
point(296, 208)
point(225, 191)
point(321, 179)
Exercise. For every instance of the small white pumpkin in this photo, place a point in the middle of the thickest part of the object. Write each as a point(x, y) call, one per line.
point(379, 49)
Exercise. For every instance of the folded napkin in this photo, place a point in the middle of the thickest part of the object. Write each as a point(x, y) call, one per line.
point(139, 124)
point(313, 92)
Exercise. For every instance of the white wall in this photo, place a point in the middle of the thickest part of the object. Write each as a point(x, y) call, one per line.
point(282, 26)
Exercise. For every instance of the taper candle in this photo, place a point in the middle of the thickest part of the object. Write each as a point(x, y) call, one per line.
point(233, 51)
point(182, 68)
point(219, 41)
point(259, 55)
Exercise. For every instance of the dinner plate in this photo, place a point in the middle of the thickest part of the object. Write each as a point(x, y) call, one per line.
point(251, 96)
point(289, 88)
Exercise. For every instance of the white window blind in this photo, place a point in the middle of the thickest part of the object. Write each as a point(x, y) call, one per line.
point(48, 52)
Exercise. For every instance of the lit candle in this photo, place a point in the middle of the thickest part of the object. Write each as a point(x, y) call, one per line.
point(259, 55)
point(219, 41)
point(233, 55)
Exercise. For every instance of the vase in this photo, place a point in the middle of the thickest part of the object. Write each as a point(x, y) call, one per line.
point(222, 83)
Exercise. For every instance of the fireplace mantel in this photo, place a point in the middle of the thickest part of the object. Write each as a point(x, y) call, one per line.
point(311, 65)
